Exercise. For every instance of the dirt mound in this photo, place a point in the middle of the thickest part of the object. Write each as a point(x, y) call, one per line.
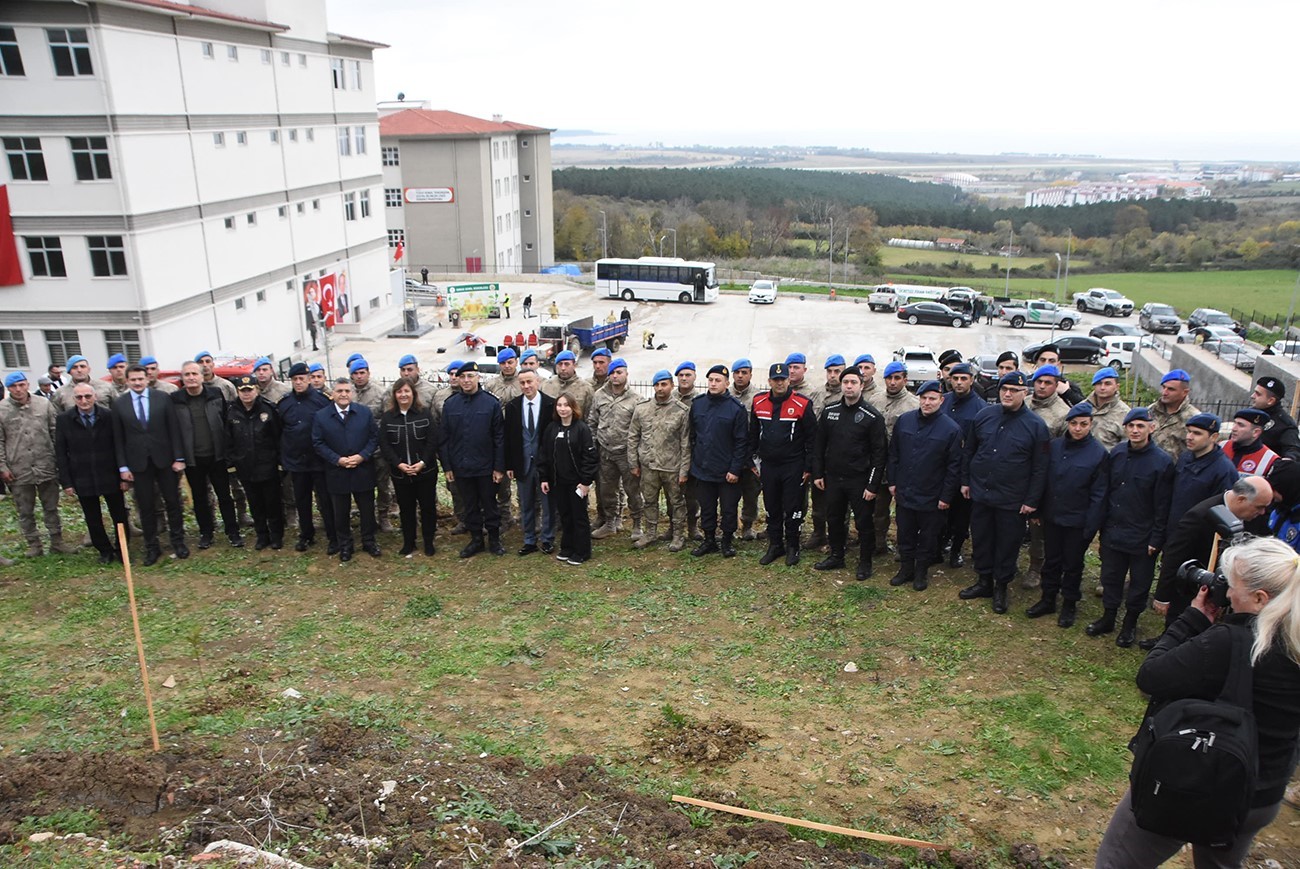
point(716, 742)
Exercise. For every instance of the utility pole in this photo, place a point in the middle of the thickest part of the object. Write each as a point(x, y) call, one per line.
point(830, 257)
point(1011, 235)
point(604, 237)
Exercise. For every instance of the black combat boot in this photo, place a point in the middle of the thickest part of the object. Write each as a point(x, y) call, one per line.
point(921, 581)
point(1103, 625)
point(1000, 598)
point(833, 561)
point(1069, 610)
point(954, 555)
point(792, 551)
point(774, 551)
point(728, 546)
point(906, 573)
point(1046, 606)
point(982, 587)
point(474, 547)
point(707, 545)
point(1128, 631)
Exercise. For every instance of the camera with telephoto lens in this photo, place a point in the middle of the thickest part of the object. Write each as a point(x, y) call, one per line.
point(1193, 575)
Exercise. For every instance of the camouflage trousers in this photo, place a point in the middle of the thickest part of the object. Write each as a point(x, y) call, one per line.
point(25, 498)
point(615, 468)
point(654, 482)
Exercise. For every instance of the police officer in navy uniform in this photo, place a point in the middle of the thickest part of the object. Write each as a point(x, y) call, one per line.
point(719, 455)
point(961, 405)
point(924, 475)
point(1004, 473)
point(782, 430)
point(1280, 433)
point(1202, 470)
point(849, 466)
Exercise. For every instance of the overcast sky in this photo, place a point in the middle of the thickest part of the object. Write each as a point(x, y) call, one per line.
point(1189, 80)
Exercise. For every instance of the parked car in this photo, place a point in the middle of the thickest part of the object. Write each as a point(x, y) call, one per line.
point(933, 313)
point(1238, 355)
point(1289, 349)
point(1210, 317)
point(1100, 300)
point(762, 292)
point(985, 366)
point(1120, 348)
point(1201, 334)
point(922, 364)
point(1037, 312)
point(1159, 317)
point(1082, 349)
point(1105, 330)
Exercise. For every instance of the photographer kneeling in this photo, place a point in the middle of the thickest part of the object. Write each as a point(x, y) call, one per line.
point(1194, 659)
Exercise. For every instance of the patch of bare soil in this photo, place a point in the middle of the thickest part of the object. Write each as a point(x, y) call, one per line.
point(716, 742)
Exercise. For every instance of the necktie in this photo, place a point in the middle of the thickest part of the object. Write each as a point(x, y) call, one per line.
point(87, 420)
point(139, 409)
point(532, 427)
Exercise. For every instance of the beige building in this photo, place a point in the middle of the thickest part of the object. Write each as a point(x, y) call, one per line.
point(466, 194)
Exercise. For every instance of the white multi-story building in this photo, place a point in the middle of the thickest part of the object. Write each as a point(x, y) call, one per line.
point(177, 175)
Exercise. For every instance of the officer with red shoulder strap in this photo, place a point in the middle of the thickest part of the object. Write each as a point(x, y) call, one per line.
point(781, 437)
point(1245, 448)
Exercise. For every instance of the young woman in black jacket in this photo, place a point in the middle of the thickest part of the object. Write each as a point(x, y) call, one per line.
point(409, 440)
point(567, 463)
point(1192, 659)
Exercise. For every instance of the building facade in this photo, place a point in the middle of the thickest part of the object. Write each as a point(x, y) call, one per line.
point(184, 178)
point(466, 194)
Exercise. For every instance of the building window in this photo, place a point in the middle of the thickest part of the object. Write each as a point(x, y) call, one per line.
point(365, 203)
point(356, 75)
point(507, 223)
point(527, 178)
point(302, 207)
point(282, 211)
point(13, 348)
point(528, 246)
point(206, 48)
point(90, 158)
point(361, 139)
point(219, 139)
point(500, 230)
point(62, 344)
point(524, 143)
point(26, 160)
point(11, 59)
point(239, 304)
point(374, 303)
point(302, 61)
point(241, 137)
point(310, 133)
point(232, 53)
point(396, 237)
point(124, 341)
point(389, 156)
point(107, 256)
point(45, 253)
point(275, 137)
point(289, 287)
point(251, 218)
point(70, 48)
point(315, 205)
point(336, 70)
point(284, 58)
point(266, 55)
point(497, 185)
point(293, 135)
point(261, 295)
point(345, 141)
point(392, 197)
point(229, 222)
point(528, 212)
point(505, 182)
point(496, 150)
point(349, 206)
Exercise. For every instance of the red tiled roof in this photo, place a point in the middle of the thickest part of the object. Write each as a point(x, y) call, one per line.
point(357, 40)
point(200, 12)
point(427, 122)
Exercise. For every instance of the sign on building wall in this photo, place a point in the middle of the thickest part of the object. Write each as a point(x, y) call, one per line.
point(429, 194)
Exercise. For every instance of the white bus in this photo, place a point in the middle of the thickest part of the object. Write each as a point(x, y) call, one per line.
point(657, 279)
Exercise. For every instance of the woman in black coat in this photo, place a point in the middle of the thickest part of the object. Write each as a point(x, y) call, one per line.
point(567, 463)
point(408, 438)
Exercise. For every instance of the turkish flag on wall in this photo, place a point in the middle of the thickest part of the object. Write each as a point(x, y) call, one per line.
point(11, 271)
point(328, 288)
point(398, 251)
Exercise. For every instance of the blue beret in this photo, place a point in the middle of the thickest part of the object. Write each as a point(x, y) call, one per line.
point(1137, 413)
point(566, 356)
point(617, 363)
point(600, 351)
point(530, 353)
point(1249, 414)
point(961, 368)
point(353, 367)
point(73, 360)
point(148, 360)
point(1207, 421)
point(685, 366)
point(454, 366)
point(116, 359)
point(1013, 378)
point(742, 363)
point(1176, 374)
point(661, 375)
point(865, 357)
point(353, 358)
point(895, 368)
point(834, 359)
point(262, 360)
point(315, 366)
point(1104, 374)
point(505, 354)
point(929, 386)
point(197, 356)
point(1083, 408)
point(1048, 371)
point(15, 377)
point(796, 358)
point(408, 359)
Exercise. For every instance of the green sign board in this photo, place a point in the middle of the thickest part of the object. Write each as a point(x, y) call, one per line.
point(473, 288)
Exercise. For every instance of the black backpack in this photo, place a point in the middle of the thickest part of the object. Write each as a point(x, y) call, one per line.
point(1195, 761)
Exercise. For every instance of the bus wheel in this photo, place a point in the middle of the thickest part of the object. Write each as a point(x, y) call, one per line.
point(628, 296)
point(684, 298)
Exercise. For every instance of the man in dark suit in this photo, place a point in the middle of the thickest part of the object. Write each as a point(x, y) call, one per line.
point(344, 435)
point(84, 448)
point(526, 416)
point(149, 453)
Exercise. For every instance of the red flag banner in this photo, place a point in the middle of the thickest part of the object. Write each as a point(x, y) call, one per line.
point(327, 290)
point(398, 251)
point(11, 270)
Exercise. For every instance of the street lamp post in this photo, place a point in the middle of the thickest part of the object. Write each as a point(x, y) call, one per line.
point(662, 238)
point(1057, 292)
point(674, 232)
point(604, 237)
point(830, 257)
point(1011, 236)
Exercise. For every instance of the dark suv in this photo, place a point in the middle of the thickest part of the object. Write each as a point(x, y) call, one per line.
point(1210, 317)
point(1157, 317)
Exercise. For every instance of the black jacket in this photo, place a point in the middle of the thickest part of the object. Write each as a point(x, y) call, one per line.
point(333, 439)
point(408, 439)
point(783, 431)
point(1076, 483)
point(1138, 486)
point(1191, 660)
point(1196, 479)
point(964, 410)
point(567, 455)
point(153, 447)
point(87, 458)
point(1005, 462)
point(297, 413)
point(215, 410)
point(925, 460)
point(1280, 433)
point(516, 461)
point(253, 440)
point(719, 437)
point(851, 444)
point(473, 434)
point(1191, 538)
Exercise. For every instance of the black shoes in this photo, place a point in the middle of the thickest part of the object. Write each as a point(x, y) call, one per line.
point(548, 548)
point(106, 558)
point(205, 541)
point(791, 555)
point(954, 557)
point(834, 561)
point(372, 549)
point(728, 546)
point(408, 549)
point(474, 547)
point(922, 580)
point(332, 549)
point(276, 544)
point(1128, 632)
point(864, 569)
point(999, 598)
point(236, 541)
point(429, 548)
point(261, 543)
point(527, 549)
point(982, 587)
point(345, 555)
point(1103, 625)
point(151, 556)
point(707, 545)
point(182, 551)
point(1046, 606)
point(1069, 611)
point(302, 544)
point(495, 547)
point(1148, 644)
point(906, 573)
point(774, 551)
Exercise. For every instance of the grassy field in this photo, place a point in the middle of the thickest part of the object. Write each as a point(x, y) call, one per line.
point(898, 256)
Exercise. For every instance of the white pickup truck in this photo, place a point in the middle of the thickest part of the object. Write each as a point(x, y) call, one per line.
point(888, 297)
point(1037, 312)
point(1100, 300)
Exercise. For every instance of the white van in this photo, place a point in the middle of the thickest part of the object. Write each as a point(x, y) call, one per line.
point(1120, 348)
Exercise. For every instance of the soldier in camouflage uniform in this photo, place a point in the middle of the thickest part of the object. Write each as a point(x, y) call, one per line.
point(610, 422)
point(319, 382)
point(1171, 411)
point(150, 364)
point(1046, 401)
point(211, 378)
point(409, 367)
point(1108, 409)
point(79, 372)
point(897, 401)
point(600, 362)
point(659, 447)
point(372, 395)
point(567, 382)
point(684, 394)
point(27, 463)
point(117, 373)
point(872, 394)
point(742, 389)
point(267, 386)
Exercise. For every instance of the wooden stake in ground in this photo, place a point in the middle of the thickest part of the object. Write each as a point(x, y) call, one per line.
point(811, 825)
point(139, 643)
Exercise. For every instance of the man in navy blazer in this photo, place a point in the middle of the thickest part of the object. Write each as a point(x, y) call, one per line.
point(344, 435)
point(149, 451)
